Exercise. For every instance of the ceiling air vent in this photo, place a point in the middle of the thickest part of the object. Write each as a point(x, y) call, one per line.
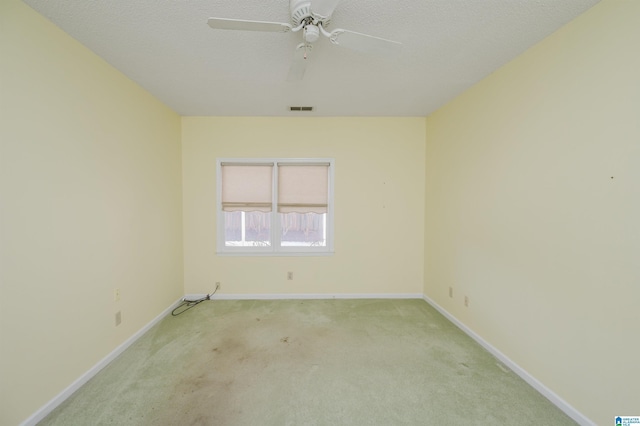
point(301, 108)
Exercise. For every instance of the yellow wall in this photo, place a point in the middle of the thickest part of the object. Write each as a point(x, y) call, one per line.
point(91, 201)
point(379, 204)
point(533, 207)
point(532, 199)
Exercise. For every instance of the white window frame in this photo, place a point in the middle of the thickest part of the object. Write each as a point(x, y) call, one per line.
point(275, 249)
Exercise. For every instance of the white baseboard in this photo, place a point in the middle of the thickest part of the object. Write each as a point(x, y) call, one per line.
point(196, 296)
point(535, 383)
point(288, 296)
point(62, 396)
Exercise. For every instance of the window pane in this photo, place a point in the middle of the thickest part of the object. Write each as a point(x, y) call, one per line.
point(247, 229)
point(303, 229)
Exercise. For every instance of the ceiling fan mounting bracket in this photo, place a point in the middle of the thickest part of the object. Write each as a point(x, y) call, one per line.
point(301, 14)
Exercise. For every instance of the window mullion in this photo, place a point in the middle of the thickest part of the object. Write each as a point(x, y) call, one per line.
point(275, 223)
point(243, 228)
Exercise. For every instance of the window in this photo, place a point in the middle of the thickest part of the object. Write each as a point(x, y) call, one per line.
point(275, 206)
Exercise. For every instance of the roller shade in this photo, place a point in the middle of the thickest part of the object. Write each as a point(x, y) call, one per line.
point(247, 187)
point(303, 188)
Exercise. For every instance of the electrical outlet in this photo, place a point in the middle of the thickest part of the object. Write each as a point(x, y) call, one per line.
point(466, 301)
point(118, 318)
point(451, 292)
point(289, 275)
point(116, 295)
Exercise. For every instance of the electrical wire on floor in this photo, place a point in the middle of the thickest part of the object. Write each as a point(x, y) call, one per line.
point(188, 304)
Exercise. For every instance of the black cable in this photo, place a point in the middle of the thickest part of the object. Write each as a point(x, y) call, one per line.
point(191, 303)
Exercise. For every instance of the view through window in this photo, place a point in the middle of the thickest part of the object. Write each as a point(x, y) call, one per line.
point(275, 205)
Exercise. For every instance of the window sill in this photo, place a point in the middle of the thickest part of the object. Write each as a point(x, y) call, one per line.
point(274, 253)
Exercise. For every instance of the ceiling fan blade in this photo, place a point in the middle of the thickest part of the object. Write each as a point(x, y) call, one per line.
point(323, 8)
point(243, 25)
point(298, 63)
point(363, 42)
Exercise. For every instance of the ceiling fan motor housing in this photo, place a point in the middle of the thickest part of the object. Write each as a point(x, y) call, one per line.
point(301, 11)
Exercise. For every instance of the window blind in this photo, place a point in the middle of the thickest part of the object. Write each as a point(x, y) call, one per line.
point(247, 187)
point(303, 188)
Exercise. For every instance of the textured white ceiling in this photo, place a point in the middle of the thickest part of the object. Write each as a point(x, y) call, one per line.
point(167, 47)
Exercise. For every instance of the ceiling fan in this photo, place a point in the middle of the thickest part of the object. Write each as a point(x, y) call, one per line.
point(312, 17)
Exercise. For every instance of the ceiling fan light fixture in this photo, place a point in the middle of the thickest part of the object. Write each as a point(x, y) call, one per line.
point(311, 33)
